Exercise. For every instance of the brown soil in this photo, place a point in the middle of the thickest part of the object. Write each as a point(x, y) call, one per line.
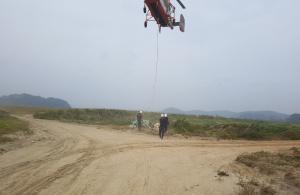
point(80, 159)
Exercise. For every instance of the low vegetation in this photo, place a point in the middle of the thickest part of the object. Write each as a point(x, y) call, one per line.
point(237, 129)
point(90, 116)
point(253, 188)
point(179, 124)
point(282, 169)
point(24, 110)
point(10, 125)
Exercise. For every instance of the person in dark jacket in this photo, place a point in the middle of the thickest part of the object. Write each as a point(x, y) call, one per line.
point(161, 126)
point(139, 118)
point(166, 122)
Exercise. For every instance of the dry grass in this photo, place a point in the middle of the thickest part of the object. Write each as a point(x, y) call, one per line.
point(24, 110)
point(253, 187)
point(283, 168)
point(293, 178)
point(269, 163)
point(11, 125)
point(247, 189)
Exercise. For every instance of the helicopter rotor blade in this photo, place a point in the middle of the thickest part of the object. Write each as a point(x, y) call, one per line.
point(181, 4)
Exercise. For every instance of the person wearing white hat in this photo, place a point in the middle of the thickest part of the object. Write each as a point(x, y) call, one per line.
point(161, 126)
point(166, 122)
point(139, 118)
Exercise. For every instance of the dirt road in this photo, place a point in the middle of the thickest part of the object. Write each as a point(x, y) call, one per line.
point(81, 159)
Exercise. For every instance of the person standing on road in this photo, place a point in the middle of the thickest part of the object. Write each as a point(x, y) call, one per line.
point(139, 118)
point(163, 125)
point(166, 122)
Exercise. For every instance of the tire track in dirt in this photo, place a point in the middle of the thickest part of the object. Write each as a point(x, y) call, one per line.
point(108, 150)
point(60, 151)
point(59, 148)
point(88, 144)
point(92, 153)
point(54, 154)
point(73, 169)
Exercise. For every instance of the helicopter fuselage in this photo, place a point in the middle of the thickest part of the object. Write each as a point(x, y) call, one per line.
point(159, 10)
point(163, 12)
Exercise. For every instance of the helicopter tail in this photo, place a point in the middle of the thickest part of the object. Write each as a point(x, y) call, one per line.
point(181, 23)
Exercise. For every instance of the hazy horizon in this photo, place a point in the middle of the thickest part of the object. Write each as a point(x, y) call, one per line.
point(235, 55)
point(161, 110)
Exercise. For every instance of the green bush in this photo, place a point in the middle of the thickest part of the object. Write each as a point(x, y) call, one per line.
point(291, 134)
point(186, 125)
point(3, 114)
point(90, 116)
point(10, 125)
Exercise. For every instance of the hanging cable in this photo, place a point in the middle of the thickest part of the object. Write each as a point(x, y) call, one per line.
point(156, 71)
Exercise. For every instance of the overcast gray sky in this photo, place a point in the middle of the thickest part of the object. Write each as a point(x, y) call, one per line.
point(235, 55)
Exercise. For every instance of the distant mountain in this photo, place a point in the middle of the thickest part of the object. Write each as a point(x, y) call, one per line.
point(221, 113)
point(172, 110)
point(250, 115)
point(26, 100)
point(263, 115)
point(294, 118)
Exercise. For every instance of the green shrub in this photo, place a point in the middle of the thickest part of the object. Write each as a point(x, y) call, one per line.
point(291, 134)
point(90, 116)
point(10, 125)
point(186, 125)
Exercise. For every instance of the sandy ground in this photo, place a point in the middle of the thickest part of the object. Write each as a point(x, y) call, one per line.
point(80, 159)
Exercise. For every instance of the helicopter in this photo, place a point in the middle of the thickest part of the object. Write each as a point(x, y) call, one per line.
point(163, 12)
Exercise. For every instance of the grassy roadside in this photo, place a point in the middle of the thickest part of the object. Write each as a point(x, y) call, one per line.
point(238, 129)
point(89, 116)
point(11, 125)
point(281, 172)
point(24, 110)
point(185, 125)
